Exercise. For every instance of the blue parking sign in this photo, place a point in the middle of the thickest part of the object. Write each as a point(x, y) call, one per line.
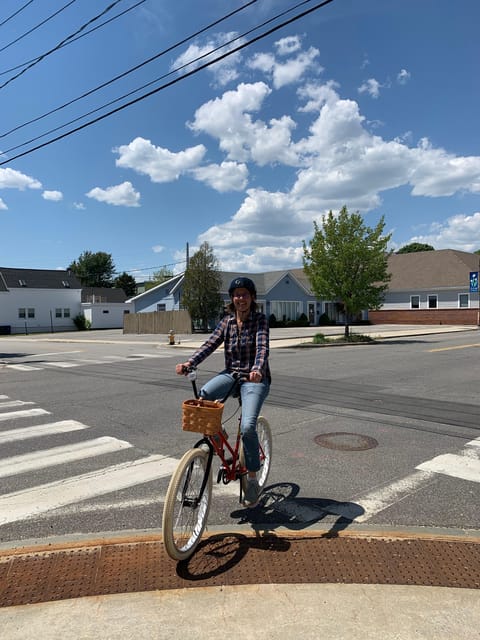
point(473, 281)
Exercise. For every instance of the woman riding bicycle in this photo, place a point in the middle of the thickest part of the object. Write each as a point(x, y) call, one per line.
point(245, 334)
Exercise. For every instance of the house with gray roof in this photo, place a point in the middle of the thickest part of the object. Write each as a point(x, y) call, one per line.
point(430, 287)
point(285, 294)
point(37, 300)
point(47, 300)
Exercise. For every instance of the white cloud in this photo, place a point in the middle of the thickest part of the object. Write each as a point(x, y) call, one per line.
point(79, 205)
point(158, 248)
point(160, 165)
point(229, 119)
point(55, 196)
point(12, 179)
point(198, 54)
point(461, 232)
point(289, 71)
point(3, 206)
point(403, 76)
point(288, 45)
point(121, 195)
point(339, 162)
point(227, 176)
point(370, 86)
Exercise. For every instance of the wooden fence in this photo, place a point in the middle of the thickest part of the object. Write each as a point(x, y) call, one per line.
point(157, 322)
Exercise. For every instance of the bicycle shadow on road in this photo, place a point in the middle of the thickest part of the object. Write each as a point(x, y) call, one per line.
point(280, 506)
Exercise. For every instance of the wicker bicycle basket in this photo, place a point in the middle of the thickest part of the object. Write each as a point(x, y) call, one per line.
point(202, 416)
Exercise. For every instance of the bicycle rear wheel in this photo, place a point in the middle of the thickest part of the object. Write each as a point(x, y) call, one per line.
point(265, 447)
point(185, 512)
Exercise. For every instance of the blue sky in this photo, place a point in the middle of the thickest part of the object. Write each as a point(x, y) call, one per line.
point(372, 104)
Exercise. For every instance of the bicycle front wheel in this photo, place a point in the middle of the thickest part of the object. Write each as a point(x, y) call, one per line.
point(265, 451)
point(186, 510)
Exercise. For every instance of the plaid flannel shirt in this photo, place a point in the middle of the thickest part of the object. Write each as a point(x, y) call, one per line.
point(245, 350)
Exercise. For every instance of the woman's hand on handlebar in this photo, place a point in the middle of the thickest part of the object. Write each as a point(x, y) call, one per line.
point(254, 376)
point(183, 369)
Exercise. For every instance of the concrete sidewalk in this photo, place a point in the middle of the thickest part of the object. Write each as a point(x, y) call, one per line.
point(308, 585)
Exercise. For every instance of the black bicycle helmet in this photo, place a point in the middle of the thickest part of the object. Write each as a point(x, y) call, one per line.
point(242, 283)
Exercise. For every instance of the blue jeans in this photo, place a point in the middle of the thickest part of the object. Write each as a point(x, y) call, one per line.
point(253, 395)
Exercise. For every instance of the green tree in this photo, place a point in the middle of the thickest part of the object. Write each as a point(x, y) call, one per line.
point(348, 261)
point(158, 277)
point(477, 252)
point(94, 269)
point(201, 287)
point(126, 282)
point(413, 247)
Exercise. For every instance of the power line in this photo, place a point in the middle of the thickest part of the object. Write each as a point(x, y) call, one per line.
point(37, 26)
point(122, 75)
point(172, 82)
point(65, 41)
point(72, 39)
point(16, 13)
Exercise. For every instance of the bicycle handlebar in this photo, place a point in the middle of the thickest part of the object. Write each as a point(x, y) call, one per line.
point(191, 374)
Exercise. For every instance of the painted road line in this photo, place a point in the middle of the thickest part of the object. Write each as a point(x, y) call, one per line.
point(26, 413)
point(14, 403)
point(29, 503)
point(465, 467)
point(4, 397)
point(23, 367)
point(61, 365)
point(230, 491)
point(460, 346)
point(51, 428)
point(60, 455)
point(381, 499)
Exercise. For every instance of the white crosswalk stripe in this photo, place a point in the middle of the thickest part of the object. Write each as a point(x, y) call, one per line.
point(52, 428)
point(23, 367)
point(464, 465)
point(13, 403)
point(75, 493)
point(46, 497)
point(79, 362)
point(60, 455)
point(26, 413)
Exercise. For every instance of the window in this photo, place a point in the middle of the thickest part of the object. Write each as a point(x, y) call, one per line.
point(161, 307)
point(432, 301)
point(31, 313)
point(414, 302)
point(463, 300)
point(22, 313)
point(66, 313)
point(22, 283)
point(105, 311)
point(286, 310)
point(58, 313)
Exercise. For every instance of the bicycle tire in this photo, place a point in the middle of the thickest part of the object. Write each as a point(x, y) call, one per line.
point(184, 520)
point(265, 441)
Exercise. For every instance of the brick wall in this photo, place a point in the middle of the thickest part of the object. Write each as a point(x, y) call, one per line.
point(426, 316)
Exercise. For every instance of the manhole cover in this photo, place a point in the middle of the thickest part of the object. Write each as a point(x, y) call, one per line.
point(344, 441)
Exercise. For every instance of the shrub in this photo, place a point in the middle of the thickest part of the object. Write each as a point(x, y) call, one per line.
point(81, 322)
point(324, 320)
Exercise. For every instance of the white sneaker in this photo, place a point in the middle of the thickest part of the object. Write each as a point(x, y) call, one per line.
point(252, 493)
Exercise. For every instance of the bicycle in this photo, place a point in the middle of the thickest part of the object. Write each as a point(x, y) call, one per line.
point(189, 492)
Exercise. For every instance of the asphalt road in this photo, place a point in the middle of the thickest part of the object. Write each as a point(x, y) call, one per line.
point(376, 435)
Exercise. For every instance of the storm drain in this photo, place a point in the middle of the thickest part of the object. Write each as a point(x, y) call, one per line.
point(237, 559)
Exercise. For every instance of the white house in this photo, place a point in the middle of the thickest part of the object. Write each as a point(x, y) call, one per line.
point(104, 307)
point(47, 300)
point(38, 300)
